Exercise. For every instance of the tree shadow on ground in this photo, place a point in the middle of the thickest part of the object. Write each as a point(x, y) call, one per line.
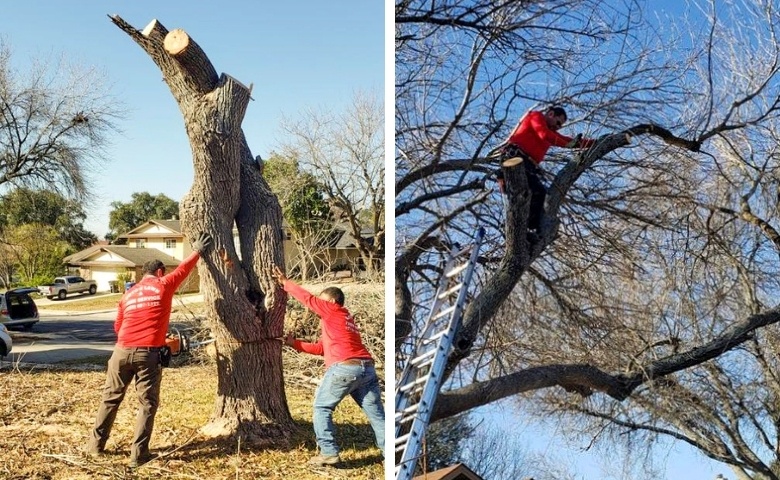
point(349, 436)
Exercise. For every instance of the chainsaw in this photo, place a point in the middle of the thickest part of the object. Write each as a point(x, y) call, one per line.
point(179, 342)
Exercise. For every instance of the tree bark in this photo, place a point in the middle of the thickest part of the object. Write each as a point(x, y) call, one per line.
point(245, 307)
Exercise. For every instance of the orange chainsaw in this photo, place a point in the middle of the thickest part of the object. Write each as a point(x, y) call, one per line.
point(179, 342)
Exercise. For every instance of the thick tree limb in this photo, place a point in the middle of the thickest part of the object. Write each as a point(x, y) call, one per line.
point(586, 379)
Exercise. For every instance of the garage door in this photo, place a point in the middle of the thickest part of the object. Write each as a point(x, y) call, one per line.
point(102, 277)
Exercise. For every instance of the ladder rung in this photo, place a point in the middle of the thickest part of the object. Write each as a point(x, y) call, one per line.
point(422, 357)
point(434, 338)
point(449, 292)
point(445, 312)
point(456, 270)
point(460, 252)
point(401, 441)
point(419, 381)
point(411, 409)
point(425, 364)
point(406, 419)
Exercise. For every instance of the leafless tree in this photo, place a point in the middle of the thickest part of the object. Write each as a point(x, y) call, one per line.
point(346, 153)
point(55, 120)
point(647, 295)
point(245, 307)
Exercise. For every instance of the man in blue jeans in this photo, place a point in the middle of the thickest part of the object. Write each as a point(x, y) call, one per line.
point(349, 367)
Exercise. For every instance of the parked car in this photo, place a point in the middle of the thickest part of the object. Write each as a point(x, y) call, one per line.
point(18, 309)
point(5, 341)
point(69, 284)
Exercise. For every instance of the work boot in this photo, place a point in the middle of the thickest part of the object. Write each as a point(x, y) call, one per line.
point(94, 450)
point(321, 460)
point(137, 462)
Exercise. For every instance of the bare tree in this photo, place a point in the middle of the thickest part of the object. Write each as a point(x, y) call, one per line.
point(648, 292)
point(346, 153)
point(55, 119)
point(245, 308)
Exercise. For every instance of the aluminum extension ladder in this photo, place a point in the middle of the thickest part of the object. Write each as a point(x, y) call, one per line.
point(422, 376)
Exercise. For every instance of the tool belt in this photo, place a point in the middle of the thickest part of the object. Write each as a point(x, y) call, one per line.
point(357, 362)
point(510, 150)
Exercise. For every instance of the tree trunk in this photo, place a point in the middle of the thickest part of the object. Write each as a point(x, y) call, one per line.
point(245, 308)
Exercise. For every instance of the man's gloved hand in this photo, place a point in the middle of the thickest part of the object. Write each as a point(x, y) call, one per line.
point(575, 142)
point(203, 241)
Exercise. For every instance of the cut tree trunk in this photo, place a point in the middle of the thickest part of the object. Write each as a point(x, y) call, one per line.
point(245, 309)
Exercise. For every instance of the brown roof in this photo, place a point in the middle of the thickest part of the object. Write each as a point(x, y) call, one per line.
point(133, 257)
point(454, 472)
point(345, 239)
point(173, 225)
point(81, 254)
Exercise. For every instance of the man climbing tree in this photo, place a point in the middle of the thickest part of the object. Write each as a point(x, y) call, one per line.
point(528, 144)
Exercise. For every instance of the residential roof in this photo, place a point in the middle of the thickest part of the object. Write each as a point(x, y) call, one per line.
point(454, 472)
point(131, 257)
point(342, 238)
point(346, 239)
point(173, 225)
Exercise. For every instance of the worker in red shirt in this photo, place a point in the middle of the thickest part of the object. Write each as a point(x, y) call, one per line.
point(349, 367)
point(141, 325)
point(528, 144)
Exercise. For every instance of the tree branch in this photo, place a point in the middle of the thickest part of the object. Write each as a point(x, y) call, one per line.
point(585, 379)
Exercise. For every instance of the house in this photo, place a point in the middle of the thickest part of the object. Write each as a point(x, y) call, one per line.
point(453, 472)
point(163, 239)
point(155, 239)
point(338, 251)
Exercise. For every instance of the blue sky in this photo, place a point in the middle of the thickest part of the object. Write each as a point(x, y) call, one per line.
point(671, 459)
point(298, 54)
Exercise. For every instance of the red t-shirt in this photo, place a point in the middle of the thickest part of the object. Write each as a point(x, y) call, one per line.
point(340, 338)
point(145, 310)
point(534, 137)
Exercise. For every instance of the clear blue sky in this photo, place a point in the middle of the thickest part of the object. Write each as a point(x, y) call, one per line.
point(298, 54)
point(672, 460)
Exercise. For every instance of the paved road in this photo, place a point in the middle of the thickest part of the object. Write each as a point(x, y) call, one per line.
point(68, 336)
point(59, 337)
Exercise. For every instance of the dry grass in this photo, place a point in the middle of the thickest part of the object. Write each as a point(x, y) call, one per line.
point(46, 416)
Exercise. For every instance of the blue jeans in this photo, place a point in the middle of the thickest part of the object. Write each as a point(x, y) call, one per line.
point(358, 381)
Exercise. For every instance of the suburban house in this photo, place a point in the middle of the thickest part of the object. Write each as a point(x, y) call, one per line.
point(155, 239)
point(162, 239)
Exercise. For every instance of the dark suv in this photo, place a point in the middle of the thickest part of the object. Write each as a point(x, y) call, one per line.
point(17, 308)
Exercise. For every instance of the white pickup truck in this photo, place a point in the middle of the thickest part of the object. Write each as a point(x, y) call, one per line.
point(64, 286)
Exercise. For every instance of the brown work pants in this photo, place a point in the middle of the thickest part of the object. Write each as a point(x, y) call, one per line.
point(126, 364)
